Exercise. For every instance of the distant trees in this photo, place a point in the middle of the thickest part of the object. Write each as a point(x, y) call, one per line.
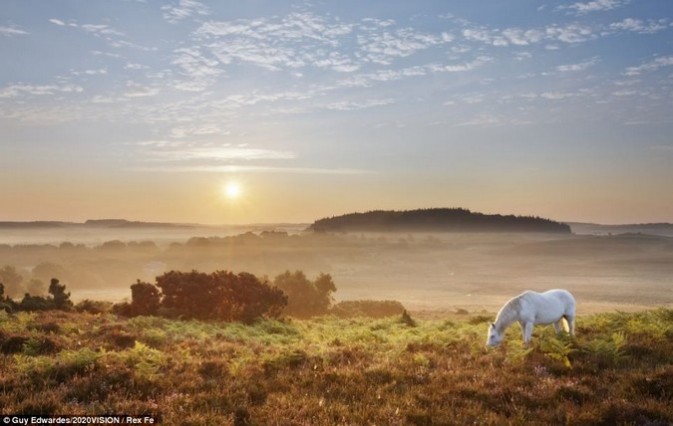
point(226, 296)
point(440, 219)
point(58, 300)
point(12, 280)
point(306, 298)
point(221, 295)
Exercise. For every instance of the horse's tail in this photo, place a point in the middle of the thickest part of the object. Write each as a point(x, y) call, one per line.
point(565, 323)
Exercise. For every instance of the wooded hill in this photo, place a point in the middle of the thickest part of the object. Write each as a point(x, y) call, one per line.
point(437, 219)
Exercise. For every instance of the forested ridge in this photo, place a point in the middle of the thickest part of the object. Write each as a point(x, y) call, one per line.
point(437, 219)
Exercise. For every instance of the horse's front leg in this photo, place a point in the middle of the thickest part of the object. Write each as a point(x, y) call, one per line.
point(527, 330)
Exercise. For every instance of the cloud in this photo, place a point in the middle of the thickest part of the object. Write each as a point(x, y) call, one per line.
point(100, 30)
point(57, 22)
point(11, 31)
point(200, 70)
point(18, 90)
point(581, 8)
point(555, 96)
point(196, 130)
point(482, 120)
point(100, 71)
point(383, 48)
point(193, 154)
point(464, 67)
point(135, 90)
point(570, 33)
point(184, 9)
point(664, 61)
point(293, 41)
point(231, 168)
point(581, 66)
point(639, 26)
point(354, 105)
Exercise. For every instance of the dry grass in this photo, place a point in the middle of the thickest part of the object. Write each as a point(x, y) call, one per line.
point(328, 371)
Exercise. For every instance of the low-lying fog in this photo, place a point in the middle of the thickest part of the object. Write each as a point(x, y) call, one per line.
point(424, 271)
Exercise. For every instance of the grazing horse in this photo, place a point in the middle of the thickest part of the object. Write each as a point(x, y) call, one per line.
point(530, 308)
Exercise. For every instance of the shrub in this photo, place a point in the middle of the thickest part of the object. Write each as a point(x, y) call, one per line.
point(35, 303)
point(93, 306)
point(220, 295)
point(61, 298)
point(145, 298)
point(306, 298)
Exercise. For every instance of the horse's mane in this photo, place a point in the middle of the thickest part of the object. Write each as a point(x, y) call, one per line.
point(508, 313)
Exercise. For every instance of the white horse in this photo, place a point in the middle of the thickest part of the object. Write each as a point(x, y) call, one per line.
point(530, 308)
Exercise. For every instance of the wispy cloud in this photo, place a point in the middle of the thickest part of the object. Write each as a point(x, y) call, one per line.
point(556, 96)
point(383, 48)
point(663, 61)
point(358, 105)
point(12, 30)
point(136, 90)
point(199, 70)
point(18, 90)
point(581, 66)
point(196, 130)
point(231, 168)
point(640, 26)
point(565, 33)
point(583, 8)
point(183, 10)
point(100, 30)
point(290, 42)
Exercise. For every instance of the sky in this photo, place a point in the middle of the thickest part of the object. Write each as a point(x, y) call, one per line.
point(261, 111)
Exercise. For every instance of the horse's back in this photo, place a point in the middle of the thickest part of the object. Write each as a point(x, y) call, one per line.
point(548, 306)
point(562, 295)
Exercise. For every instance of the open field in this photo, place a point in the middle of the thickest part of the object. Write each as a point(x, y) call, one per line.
point(329, 371)
point(426, 272)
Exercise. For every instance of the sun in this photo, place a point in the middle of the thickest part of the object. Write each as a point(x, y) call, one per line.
point(232, 190)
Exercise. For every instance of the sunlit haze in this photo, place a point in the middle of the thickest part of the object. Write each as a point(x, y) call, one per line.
point(289, 111)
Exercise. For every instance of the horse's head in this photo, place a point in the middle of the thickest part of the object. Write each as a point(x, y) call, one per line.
point(494, 337)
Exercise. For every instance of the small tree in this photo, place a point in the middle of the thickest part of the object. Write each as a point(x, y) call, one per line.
point(220, 295)
point(61, 298)
point(145, 298)
point(12, 280)
point(248, 299)
point(4, 306)
point(306, 298)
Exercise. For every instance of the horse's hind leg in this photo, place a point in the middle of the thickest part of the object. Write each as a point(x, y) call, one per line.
point(571, 324)
point(558, 326)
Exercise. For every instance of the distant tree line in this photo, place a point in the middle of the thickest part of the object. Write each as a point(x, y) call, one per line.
point(438, 219)
point(220, 295)
point(225, 296)
point(57, 299)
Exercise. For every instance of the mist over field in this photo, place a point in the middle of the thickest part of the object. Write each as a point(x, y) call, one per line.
point(425, 271)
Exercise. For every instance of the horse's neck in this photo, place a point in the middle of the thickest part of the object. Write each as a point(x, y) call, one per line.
point(507, 315)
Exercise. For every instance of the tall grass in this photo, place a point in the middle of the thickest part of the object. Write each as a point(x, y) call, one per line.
point(339, 371)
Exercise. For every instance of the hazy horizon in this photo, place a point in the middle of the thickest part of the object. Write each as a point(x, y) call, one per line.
point(215, 113)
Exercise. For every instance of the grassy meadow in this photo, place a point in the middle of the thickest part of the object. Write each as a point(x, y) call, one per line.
point(619, 370)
